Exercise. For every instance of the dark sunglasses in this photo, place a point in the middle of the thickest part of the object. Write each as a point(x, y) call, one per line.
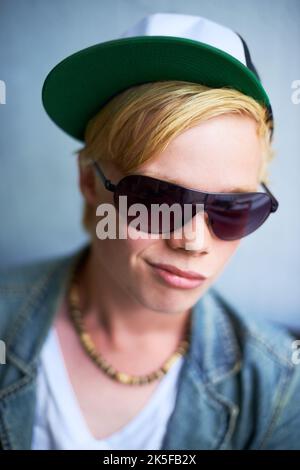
point(231, 215)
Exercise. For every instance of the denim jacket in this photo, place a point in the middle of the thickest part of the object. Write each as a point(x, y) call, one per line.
point(238, 387)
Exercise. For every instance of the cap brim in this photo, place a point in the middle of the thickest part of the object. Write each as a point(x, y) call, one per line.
point(76, 88)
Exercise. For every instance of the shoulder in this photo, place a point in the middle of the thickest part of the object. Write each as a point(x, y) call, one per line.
point(258, 334)
point(22, 284)
point(18, 277)
point(269, 376)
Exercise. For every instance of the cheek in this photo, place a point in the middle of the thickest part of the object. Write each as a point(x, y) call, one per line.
point(137, 249)
point(137, 242)
point(135, 246)
point(219, 255)
point(224, 250)
point(120, 256)
point(230, 247)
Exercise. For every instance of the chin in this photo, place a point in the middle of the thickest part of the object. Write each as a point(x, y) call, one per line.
point(166, 302)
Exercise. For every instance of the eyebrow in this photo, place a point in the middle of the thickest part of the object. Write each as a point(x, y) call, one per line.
point(235, 189)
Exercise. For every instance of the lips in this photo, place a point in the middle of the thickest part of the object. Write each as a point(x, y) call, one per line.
point(179, 272)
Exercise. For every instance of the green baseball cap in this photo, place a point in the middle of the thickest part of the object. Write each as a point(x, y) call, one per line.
point(162, 46)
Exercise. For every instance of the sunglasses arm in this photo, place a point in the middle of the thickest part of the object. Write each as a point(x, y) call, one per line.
point(275, 203)
point(107, 183)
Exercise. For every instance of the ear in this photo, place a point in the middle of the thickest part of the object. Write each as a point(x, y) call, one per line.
point(88, 183)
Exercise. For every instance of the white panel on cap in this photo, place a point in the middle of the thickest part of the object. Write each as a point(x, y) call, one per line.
point(190, 27)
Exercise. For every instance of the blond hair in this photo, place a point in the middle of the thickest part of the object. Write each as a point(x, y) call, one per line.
point(138, 124)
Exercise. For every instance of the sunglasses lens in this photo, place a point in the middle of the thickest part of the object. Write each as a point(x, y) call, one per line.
point(235, 217)
point(151, 200)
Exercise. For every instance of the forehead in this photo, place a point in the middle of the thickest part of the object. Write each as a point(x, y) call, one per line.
point(222, 154)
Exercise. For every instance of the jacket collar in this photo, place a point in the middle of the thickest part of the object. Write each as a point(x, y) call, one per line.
point(23, 345)
point(201, 418)
point(36, 314)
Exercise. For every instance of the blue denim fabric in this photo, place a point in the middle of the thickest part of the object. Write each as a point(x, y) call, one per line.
point(238, 387)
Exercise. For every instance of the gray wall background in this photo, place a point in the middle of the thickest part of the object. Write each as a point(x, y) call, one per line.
point(40, 202)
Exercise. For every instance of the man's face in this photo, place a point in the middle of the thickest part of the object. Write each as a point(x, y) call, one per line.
point(217, 155)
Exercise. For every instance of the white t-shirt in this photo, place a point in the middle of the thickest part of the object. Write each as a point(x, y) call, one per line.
point(59, 423)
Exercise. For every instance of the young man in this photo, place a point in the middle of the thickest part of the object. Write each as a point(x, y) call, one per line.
point(125, 344)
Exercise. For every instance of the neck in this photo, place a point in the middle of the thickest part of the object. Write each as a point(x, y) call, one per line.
point(119, 319)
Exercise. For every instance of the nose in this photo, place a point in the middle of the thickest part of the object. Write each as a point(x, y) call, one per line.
point(194, 236)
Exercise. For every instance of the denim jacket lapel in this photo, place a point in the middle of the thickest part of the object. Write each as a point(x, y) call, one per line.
point(23, 344)
point(203, 418)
